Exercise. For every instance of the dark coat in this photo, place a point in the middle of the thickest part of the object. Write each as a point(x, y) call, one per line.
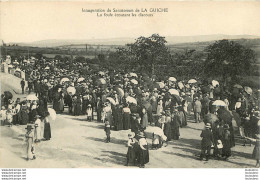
point(207, 138)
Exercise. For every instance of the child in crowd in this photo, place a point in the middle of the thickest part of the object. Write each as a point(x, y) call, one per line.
point(30, 143)
point(3, 115)
point(107, 130)
point(89, 113)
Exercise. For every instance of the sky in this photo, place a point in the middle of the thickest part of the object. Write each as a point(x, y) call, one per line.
point(34, 21)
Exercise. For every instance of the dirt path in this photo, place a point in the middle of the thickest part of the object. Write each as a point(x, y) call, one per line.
point(78, 143)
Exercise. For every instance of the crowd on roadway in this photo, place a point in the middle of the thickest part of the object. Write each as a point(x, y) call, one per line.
point(134, 101)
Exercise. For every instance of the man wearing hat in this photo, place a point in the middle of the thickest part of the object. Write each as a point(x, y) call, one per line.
point(206, 142)
point(30, 143)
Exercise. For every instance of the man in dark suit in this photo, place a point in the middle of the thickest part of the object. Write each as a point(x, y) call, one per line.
point(22, 85)
point(99, 109)
point(207, 140)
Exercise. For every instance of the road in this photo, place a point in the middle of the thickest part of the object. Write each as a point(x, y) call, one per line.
point(76, 143)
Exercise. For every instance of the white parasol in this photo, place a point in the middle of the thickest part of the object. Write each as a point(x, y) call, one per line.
point(111, 100)
point(131, 100)
point(161, 84)
point(64, 80)
point(191, 81)
point(172, 79)
point(31, 97)
point(134, 81)
point(219, 103)
point(215, 83)
point(71, 90)
point(174, 92)
point(81, 79)
point(133, 74)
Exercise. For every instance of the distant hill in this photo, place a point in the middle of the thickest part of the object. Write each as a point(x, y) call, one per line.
point(125, 40)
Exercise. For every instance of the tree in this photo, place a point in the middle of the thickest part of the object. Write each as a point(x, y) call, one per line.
point(227, 58)
point(150, 51)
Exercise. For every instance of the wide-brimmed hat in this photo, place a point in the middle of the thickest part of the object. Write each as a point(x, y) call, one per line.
point(208, 125)
point(141, 134)
point(29, 127)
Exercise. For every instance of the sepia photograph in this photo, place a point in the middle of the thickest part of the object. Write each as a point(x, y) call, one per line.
point(130, 84)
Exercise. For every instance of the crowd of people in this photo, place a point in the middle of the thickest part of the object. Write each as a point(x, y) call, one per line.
point(134, 101)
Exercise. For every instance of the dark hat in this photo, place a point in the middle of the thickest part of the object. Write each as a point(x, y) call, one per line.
point(29, 127)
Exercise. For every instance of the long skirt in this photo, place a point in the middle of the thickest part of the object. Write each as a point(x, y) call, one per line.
point(131, 156)
point(144, 156)
point(47, 131)
point(126, 121)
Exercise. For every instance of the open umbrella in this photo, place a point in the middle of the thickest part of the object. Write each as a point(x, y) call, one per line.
point(64, 80)
point(191, 81)
point(134, 81)
point(180, 84)
point(111, 100)
point(130, 99)
point(101, 81)
point(215, 83)
point(219, 103)
point(47, 68)
point(160, 84)
point(158, 131)
point(8, 95)
point(52, 113)
point(238, 86)
point(174, 91)
point(133, 74)
point(248, 90)
point(71, 90)
point(31, 97)
point(81, 79)
point(120, 91)
point(172, 79)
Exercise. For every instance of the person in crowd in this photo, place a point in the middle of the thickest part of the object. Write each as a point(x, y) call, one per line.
point(3, 115)
point(131, 152)
point(197, 110)
point(143, 150)
point(22, 85)
point(206, 142)
point(107, 130)
point(89, 112)
point(226, 152)
point(175, 124)
point(47, 129)
point(256, 151)
point(126, 117)
point(37, 129)
point(30, 143)
point(144, 118)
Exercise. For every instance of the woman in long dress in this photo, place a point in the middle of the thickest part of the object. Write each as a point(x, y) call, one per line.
point(143, 150)
point(144, 118)
point(47, 129)
point(131, 154)
point(126, 117)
